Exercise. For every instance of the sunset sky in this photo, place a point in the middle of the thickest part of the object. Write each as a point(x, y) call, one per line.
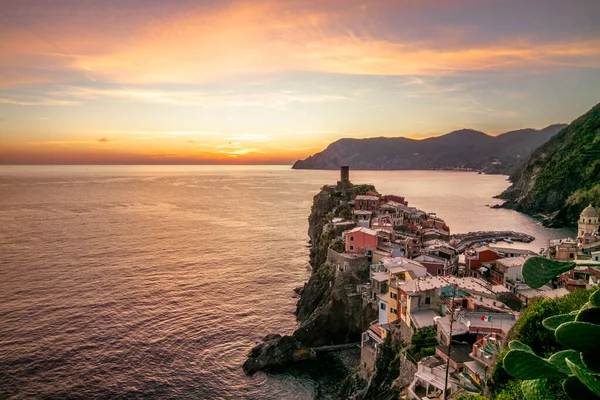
point(255, 81)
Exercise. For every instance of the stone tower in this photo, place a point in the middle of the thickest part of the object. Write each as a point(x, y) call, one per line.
point(345, 174)
point(588, 221)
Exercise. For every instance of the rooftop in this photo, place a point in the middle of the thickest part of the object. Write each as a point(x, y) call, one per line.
point(423, 318)
point(424, 284)
point(513, 250)
point(365, 197)
point(471, 285)
point(363, 230)
point(459, 352)
point(380, 276)
point(362, 212)
point(513, 261)
point(555, 293)
point(498, 321)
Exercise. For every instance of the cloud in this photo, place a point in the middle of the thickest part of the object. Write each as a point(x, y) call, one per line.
point(76, 95)
point(248, 138)
point(103, 140)
point(201, 43)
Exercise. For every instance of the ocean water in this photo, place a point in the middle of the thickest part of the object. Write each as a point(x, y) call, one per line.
point(153, 282)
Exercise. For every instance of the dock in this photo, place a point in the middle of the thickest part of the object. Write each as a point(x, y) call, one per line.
point(463, 240)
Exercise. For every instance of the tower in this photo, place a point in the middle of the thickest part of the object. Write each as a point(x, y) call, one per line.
point(345, 174)
point(588, 221)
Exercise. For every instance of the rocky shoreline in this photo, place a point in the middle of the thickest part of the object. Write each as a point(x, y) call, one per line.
point(325, 312)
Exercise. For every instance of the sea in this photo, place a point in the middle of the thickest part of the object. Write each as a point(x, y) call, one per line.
point(154, 282)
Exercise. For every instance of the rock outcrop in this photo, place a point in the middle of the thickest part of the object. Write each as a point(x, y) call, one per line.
point(329, 311)
point(275, 351)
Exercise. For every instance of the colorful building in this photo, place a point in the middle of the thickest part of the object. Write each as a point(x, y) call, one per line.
point(360, 240)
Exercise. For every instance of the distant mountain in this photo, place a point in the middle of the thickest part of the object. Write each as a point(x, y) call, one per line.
point(464, 148)
point(562, 176)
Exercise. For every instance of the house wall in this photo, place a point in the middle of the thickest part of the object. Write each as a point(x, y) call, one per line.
point(383, 312)
point(354, 266)
point(357, 242)
point(368, 356)
point(393, 304)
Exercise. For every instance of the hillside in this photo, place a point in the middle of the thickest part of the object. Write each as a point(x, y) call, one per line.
point(464, 148)
point(562, 176)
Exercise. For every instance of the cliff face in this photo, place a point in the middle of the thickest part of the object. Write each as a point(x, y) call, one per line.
point(463, 148)
point(325, 311)
point(562, 176)
point(328, 310)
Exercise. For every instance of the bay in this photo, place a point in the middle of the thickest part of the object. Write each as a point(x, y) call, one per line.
point(153, 282)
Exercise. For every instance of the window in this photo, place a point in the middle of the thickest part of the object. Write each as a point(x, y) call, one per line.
point(427, 300)
point(383, 306)
point(351, 247)
point(352, 238)
point(571, 256)
point(394, 311)
point(439, 271)
point(393, 295)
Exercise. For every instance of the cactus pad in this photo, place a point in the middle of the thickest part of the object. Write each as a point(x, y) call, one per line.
point(591, 315)
point(559, 360)
point(516, 345)
point(595, 298)
point(580, 336)
point(533, 389)
point(592, 360)
point(525, 365)
point(577, 390)
point(555, 321)
point(589, 379)
point(537, 271)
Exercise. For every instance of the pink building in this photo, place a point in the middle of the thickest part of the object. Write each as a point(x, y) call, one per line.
point(360, 240)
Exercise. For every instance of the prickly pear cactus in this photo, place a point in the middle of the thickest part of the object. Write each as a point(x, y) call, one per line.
point(578, 367)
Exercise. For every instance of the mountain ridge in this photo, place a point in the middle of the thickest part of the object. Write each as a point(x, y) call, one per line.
point(562, 176)
point(459, 149)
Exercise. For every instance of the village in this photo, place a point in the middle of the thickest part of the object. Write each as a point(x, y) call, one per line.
point(451, 301)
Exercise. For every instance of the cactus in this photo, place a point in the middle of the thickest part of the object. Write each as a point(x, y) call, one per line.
point(525, 365)
point(577, 390)
point(589, 379)
point(551, 323)
point(516, 345)
point(559, 360)
point(591, 315)
point(591, 360)
point(580, 336)
point(578, 332)
point(595, 299)
point(537, 271)
point(534, 389)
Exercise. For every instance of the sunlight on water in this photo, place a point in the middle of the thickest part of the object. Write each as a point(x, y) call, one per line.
point(154, 282)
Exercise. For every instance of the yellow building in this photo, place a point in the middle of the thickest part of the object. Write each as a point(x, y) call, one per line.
point(401, 270)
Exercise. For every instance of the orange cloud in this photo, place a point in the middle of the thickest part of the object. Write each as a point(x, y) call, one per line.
point(257, 38)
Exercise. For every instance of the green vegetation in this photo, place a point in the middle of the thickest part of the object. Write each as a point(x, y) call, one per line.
point(572, 353)
point(423, 343)
point(562, 176)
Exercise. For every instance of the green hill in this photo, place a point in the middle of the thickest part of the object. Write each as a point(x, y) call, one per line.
point(562, 176)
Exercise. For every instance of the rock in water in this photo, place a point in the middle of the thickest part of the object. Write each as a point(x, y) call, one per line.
point(275, 351)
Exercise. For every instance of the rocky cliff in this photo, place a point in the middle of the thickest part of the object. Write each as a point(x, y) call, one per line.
point(328, 312)
point(459, 149)
point(562, 176)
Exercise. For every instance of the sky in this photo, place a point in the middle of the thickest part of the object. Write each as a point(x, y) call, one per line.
point(272, 81)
